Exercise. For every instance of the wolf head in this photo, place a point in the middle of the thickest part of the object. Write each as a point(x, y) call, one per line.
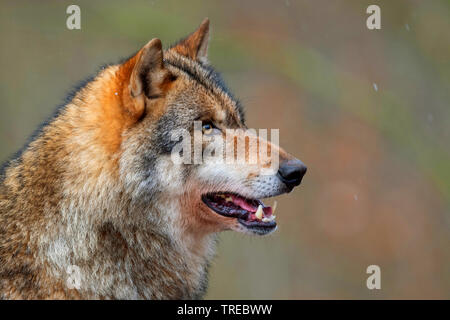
point(171, 102)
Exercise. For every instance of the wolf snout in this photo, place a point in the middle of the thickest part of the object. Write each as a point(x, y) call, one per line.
point(291, 172)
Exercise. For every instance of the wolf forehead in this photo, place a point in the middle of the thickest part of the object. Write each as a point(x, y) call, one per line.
point(206, 76)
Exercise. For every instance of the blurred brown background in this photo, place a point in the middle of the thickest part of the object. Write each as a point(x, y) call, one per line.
point(367, 111)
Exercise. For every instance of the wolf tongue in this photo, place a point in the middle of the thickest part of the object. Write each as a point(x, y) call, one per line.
point(244, 204)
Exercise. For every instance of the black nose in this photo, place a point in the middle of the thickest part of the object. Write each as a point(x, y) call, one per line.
point(291, 172)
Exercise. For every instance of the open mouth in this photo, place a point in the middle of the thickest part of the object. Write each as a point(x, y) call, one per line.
point(251, 213)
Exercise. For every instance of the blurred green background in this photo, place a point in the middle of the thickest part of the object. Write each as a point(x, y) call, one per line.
point(367, 111)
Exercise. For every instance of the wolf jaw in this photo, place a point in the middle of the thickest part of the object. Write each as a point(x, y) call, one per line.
point(252, 214)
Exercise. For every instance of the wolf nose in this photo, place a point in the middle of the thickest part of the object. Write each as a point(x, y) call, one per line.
point(291, 172)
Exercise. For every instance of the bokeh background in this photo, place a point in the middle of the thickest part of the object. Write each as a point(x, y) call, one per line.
point(367, 111)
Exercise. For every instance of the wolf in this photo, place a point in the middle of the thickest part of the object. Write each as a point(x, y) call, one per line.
point(94, 207)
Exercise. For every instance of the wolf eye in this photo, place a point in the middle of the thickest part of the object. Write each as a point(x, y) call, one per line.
point(207, 128)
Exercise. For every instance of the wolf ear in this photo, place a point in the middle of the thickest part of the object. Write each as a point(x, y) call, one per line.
point(195, 46)
point(149, 74)
point(145, 77)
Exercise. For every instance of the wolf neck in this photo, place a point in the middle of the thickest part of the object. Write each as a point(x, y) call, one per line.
point(124, 248)
point(135, 260)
